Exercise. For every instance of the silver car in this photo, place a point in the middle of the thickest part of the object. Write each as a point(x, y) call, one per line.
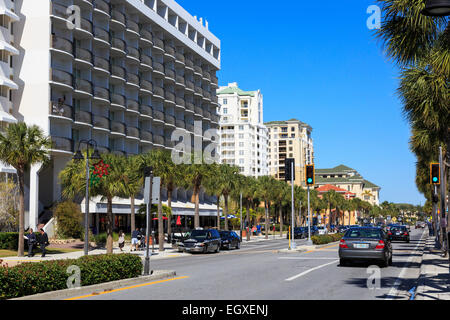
point(365, 243)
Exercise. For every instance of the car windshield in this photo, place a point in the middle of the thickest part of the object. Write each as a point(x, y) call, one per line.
point(398, 228)
point(198, 234)
point(224, 234)
point(363, 233)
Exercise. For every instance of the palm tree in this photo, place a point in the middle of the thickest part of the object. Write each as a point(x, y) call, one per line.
point(282, 196)
point(249, 190)
point(194, 176)
point(228, 181)
point(132, 184)
point(265, 191)
point(332, 198)
point(73, 181)
point(212, 186)
point(21, 147)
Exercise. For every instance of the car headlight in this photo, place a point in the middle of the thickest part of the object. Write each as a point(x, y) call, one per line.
point(180, 244)
point(225, 241)
point(199, 244)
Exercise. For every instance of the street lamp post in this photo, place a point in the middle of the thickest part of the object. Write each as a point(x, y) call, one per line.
point(79, 156)
point(240, 203)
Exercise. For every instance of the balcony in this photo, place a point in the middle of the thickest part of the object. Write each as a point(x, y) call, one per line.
point(117, 127)
point(179, 80)
point(198, 110)
point(118, 45)
point(189, 85)
point(102, 36)
point(170, 51)
point(146, 85)
point(179, 101)
point(61, 111)
point(198, 70)
point(158, 67)
point(158, 44)
point(158, 115)
point(158, 91)
point(169, 96)
point(190, 127)
point(59, 11)
point(146, 36)
point(206, 95)
point(83, 87)
point(190, 106)
point(63, 45)
point(146, 60)
point(198, 90)
point(85, 30)
point(118, 20)
point(62, 144)
point(100, 122)
point(101, 64)
point(180, 124)
point(214, 80)
point(118, 72)
point(146, 136)
point(117, 100)
point(132, 105)
point(168, 142)
point(132, 132)
point(101, 7)
point(83, 117)
point(133, 27)
point(83, 55)
point(132, 79)
point(101, 93)
point(206, 75)
point(207, 114)
point(157, 139)
point(179, 58)
point(169, 119)
point(62, 78)
point(189, 63)
point(146, 111)
point(169, 73)
point(133, 54)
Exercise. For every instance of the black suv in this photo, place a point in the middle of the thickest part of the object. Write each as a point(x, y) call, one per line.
point(200, 240)
point(299, 233)
point(230, 240)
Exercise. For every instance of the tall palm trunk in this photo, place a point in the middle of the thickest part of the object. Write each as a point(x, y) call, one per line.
point(329, 218)
point(169, 217)
point(218, 212)
point(133, 215)
point(226, 211)
point(196, 212)
point(21, 179)
point(267, 219)
point(160, 224)
point(247, 216)
point(281, 220)
point(109, 226)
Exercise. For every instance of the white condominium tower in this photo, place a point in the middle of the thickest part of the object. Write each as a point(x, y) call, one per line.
point(126, 73)
point(8, 82)
point(243, 136)
point(290, 139)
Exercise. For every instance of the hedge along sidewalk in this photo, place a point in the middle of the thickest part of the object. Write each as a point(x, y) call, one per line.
point(307, 248)
point(32, 278)
point(98, 289)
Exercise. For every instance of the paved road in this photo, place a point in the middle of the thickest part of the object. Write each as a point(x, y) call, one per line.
point(258, 271)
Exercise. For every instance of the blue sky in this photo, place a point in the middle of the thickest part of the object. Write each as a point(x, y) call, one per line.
point(322, 66)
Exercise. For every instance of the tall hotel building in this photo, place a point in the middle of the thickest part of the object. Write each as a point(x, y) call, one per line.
point(290, 139)
point(8, 83)
point(243, 136)
point(127, 74)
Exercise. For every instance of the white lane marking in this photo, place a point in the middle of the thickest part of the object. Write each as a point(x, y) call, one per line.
point(393, 292)
point(310, 270)
point(306, 258)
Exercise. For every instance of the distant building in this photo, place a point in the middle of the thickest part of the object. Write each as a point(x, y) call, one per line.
point(350, 180)
point(290, 139)
point(243, 136)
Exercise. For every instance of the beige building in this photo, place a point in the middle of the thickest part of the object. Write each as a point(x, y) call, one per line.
point(290, 139)
point(350, 180)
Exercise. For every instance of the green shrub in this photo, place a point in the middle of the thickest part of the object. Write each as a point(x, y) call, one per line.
point(10, 240)
point(100, 239)
point(326, 238)
point(69, 220)
point(37, 277)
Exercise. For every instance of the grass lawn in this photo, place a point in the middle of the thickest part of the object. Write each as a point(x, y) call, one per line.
point(13, 253)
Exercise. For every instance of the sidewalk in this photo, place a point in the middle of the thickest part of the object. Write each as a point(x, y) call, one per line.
point(168, 252)
point(434, 280)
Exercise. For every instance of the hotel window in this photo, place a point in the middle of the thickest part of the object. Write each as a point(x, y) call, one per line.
point(241, 127)
point(244, 104)
point(225, 101)
point(284, 129)
point(241, 152)
point(4, 56)
point(290, 141)
point(241, 161)
point(225, 110)
point(4, 91)
point(4, 21)
point(241, 136)
point(241, 144)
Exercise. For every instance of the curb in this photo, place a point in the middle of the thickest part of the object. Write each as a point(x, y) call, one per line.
point(305, 248)
point(421, 281)
point(96, 288)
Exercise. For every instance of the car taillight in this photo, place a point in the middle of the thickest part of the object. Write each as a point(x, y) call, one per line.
point(380, 245)
point(342, 244)
point(406, 233)
point(389, 233)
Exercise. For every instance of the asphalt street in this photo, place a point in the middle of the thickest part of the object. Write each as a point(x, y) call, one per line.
point(258, 271)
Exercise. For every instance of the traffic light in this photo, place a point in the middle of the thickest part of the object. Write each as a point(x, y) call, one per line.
point(309, 179)
point(435, 173)
point(288, 163)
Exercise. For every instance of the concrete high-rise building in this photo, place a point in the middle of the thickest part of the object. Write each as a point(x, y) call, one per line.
point(243, 135)
point(290, 139)
point(8, 82)
point(125, 73)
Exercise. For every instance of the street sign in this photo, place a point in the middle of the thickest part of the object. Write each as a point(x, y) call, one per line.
point(155, 189)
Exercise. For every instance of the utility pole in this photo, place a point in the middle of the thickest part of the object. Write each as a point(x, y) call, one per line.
point(241, 217)
point(292, 203)
point(443, 220)
point(148, 173)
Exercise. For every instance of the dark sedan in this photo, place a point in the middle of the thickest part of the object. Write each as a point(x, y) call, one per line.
point(299, 233)
point(365, 243)
point(230, 239)
point(201, 241)
point(399, 233)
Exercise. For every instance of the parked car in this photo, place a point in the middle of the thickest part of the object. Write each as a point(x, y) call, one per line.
point(201, 241)
point(399, 233)
point(342, 229)
point(230, 239)
point(322, 230)
point(299, 233)
point(365, 243)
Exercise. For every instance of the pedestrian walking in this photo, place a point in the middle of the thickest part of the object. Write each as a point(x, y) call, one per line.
point(134, 239)
point(43, 241)
point(31, 237)
point(121, 240)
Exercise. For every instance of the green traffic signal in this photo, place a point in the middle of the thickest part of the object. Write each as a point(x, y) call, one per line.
point(435, 172)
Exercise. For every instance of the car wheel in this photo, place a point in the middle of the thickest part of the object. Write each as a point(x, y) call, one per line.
point(343, 262)
point(407, 240)
point(390, 261)
point(205, 249)
point(218, 249)
point(238, 246)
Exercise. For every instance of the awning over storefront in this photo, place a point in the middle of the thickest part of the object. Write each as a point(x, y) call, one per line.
point(4, 11)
